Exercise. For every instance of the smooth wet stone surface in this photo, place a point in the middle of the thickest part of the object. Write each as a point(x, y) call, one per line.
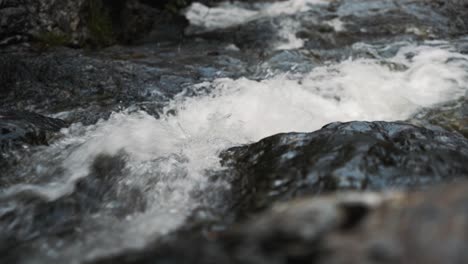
point(26, 128)
point(86, 86)
point(343, 156)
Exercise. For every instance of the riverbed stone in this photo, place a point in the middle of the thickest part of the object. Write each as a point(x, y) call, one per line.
point(345, 156)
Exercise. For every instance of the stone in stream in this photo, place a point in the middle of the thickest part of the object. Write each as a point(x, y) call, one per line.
point(85, 86)
point(452, 116)
point(18, 128)
point(343, 156)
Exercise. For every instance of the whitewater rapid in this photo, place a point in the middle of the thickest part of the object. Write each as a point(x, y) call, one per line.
point(168, 157)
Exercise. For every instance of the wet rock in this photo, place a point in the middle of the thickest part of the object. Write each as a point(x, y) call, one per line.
point(452, 116)
point(143, 21)
point(94, 22)
point(12, 22)
point(26, 128)
point(86, 86)
point(343, 156)
point(23, 20)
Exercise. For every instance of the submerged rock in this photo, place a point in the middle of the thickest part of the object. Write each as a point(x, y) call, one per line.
point(343, 156)
point(19, 128)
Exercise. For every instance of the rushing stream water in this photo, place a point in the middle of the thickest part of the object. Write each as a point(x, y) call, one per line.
point(166, 159)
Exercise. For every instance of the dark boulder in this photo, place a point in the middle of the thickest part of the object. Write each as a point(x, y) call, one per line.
point(19, 128)
point(25, 20)
point(87, 22)
point(343, 156)
point(85, 86)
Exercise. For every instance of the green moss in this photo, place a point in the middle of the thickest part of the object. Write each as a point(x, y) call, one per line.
point(53, 39)
point(99, 24)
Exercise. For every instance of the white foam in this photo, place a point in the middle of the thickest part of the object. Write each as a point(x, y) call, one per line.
point(228, 14)
point(169, 156)
point(244, 110)
point(287, 33)
point(336, 24)
point(223, 16)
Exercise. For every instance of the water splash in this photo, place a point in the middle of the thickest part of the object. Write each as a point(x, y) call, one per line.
point(168, 157)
